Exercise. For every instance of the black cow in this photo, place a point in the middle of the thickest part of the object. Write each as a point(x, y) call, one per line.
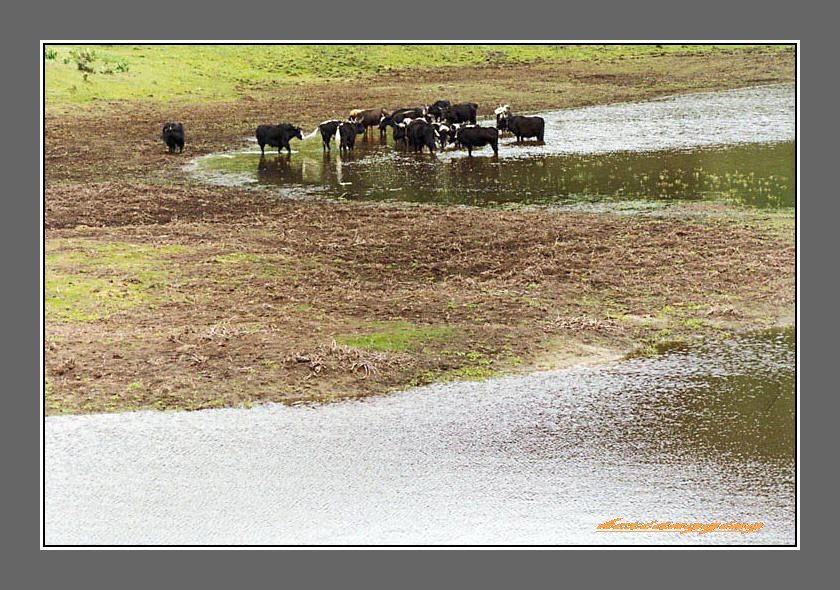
point(345, 134)
point(445, 133)
point(460, 113)
point(474, 136)
point(367, 117)
point(523, 127)
point(400, 132)
point(420, 133)
point(328, 130)
point(173, 136)
point(436, 110)
point(277, 136)
point(398, 116)
point(502, 114)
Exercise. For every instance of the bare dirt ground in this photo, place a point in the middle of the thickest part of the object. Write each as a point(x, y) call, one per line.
point(163, 293)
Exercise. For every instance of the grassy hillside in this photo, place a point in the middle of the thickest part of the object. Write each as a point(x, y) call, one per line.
point(85, 73)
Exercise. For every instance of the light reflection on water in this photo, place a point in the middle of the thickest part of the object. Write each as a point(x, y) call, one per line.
point(704, 433)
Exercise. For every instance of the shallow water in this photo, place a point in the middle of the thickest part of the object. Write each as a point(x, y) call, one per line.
point(701, 433)
point(734, 146)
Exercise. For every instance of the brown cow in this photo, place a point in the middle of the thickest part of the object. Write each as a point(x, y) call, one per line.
point(368, 117)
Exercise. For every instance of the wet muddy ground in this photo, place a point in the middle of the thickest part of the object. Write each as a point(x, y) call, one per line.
point(164, 291)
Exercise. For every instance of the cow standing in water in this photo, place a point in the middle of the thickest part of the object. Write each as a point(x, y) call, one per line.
point(368, 117)
point(421, 134)
point(464, 112)
point(398, 116)
point(472, 136)
point(345, 135)
point(502, 113)
point(328, 130)
point(524, 127)
point(436, 109)
point(277, 136)
point(521, 127)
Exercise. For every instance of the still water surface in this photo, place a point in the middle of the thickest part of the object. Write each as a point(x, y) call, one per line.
point(703, 433)
point(733, 146)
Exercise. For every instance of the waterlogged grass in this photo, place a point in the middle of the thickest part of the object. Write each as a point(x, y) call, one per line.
point(398, 336)
point(220, 72)
point(86, 280)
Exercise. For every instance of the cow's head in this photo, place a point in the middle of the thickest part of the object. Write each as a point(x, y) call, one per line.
point(297, 132)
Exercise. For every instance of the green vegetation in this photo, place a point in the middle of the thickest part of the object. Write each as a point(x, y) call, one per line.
point(398, 336)
point(86, 280)
point(265, 266)
point(223, 72)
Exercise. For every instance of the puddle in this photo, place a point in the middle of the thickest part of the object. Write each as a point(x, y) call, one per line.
point(732, 146)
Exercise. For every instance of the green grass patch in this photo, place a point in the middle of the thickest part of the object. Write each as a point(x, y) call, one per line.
point(85, 280)
point(266, 266)
point(85, 73)
point(398, 336)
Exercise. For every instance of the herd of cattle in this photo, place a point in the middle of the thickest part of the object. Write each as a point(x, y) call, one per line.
point(439, 124)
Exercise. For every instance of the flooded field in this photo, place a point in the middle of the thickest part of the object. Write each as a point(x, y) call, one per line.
point(700, 433)
point(732, 146)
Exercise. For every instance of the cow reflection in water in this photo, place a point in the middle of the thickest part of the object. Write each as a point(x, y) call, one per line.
point(279, 170)
point(331, 172)
point(476, 170)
